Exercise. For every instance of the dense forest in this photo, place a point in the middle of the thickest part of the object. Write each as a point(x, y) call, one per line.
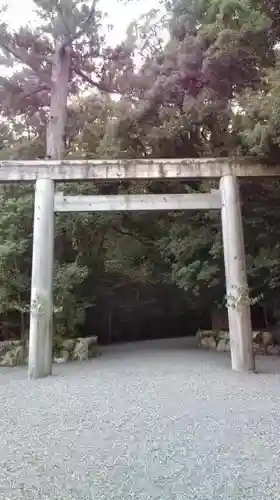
point(194, 78)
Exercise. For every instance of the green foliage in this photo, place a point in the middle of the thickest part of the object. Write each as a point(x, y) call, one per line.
point(259, 125)
point(69, 305)
point(15, 248)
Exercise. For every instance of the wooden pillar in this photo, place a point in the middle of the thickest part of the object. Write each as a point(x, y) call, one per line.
point(239, 313)
point(41, 308)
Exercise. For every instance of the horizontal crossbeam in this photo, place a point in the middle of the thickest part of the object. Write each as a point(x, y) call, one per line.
point(132, 202)
point(112, 170)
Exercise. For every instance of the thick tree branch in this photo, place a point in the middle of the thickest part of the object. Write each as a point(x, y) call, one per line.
point(60, 11)
point(22, 94)
point(85, 24)
point(88, 79)
point(31, 92)
point(22, 56)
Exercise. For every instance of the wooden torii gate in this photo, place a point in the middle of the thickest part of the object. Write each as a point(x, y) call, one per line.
point(47, 173)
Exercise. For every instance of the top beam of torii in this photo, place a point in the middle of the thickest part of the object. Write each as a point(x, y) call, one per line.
point(128, 169)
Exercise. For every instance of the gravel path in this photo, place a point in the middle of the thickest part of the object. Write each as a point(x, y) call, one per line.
point(147, 421)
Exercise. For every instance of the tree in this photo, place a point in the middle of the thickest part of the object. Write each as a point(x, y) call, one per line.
point(62, 55)
point(184, 93)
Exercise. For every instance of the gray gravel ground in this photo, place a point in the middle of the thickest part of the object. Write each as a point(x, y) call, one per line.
point(146, 421)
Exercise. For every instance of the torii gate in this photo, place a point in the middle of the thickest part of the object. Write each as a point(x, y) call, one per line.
point(47, 173)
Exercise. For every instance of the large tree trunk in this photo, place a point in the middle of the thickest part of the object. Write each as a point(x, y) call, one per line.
point(58, 107)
